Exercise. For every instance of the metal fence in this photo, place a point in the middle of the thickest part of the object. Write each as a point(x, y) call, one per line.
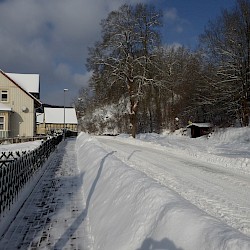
point(15, 174)
point(7, 157)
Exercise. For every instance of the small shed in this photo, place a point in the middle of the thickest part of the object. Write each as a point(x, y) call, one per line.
point(199, 129)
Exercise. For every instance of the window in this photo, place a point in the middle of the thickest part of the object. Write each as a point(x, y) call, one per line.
point(4, 95)
point(1, 122)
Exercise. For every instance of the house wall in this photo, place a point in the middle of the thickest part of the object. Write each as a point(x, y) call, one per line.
point(21, 121)
point(43, 128)
point(49, 127)
point(40, 129)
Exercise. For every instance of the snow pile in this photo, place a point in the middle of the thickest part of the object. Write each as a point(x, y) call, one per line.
point(232, 135)
point(229, 147)
point(128, 210)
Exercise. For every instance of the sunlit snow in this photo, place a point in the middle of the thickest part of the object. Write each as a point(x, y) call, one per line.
point(164, 191)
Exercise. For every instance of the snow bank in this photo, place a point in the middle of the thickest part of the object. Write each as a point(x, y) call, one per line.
point(128, 210)
point(228, 147)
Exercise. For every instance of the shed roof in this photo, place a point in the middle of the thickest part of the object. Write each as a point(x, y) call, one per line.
point(29, 82)
point(56, 115)
point(200, 125)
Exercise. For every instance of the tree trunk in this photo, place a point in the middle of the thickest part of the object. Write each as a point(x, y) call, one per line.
point(133, 122)
point(133, 116)
point(245, 114)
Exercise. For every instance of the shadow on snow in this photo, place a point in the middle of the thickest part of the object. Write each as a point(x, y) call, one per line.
point(164, 244)
point(78, 221)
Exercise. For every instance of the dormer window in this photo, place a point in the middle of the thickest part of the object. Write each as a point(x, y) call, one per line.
point(4, 95)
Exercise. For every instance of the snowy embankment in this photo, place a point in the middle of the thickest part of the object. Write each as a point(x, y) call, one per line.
point(128, 210)
point(228, 147)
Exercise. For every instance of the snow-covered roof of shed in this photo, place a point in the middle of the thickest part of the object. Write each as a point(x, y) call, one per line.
point(56, 115)
point(29, 82)
point(4, 107)
point(200, 125)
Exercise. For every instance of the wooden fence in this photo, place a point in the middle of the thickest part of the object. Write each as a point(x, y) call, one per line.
point(15, 174)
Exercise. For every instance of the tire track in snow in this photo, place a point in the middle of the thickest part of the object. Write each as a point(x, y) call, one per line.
point(220, 193)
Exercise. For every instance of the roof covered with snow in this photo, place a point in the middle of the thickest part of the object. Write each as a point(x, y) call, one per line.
point(56, 115)
point(29, 82)
point(200, 125)
point(22, 84)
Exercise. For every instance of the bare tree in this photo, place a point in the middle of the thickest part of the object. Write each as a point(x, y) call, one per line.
point(120, 61)
point(180, 76)
point(226, 42)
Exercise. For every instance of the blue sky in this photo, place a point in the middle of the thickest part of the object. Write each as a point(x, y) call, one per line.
point(51, 37)
point(185, 19)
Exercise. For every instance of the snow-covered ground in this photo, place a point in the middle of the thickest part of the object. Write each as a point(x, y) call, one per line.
point(167, 191)
point(229, 147)
point(155, 192)
point(25, 146)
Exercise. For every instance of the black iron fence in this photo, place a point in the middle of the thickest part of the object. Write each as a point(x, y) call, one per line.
point(7, 157)
point(17, 171)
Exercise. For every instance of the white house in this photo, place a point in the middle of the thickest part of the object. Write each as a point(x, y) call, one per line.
point(19, 95)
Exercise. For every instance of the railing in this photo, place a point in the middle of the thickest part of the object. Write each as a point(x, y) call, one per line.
point(15, 174)
point(4, 133)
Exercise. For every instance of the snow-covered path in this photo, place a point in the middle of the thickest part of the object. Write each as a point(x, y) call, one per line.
point(219, 191)
point(54, 215)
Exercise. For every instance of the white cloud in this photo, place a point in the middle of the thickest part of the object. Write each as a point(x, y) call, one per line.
point(173, 20)
point(179, 28)
point(51, 37)
point(171, 14)
point(63, 72)
point(82, 80)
